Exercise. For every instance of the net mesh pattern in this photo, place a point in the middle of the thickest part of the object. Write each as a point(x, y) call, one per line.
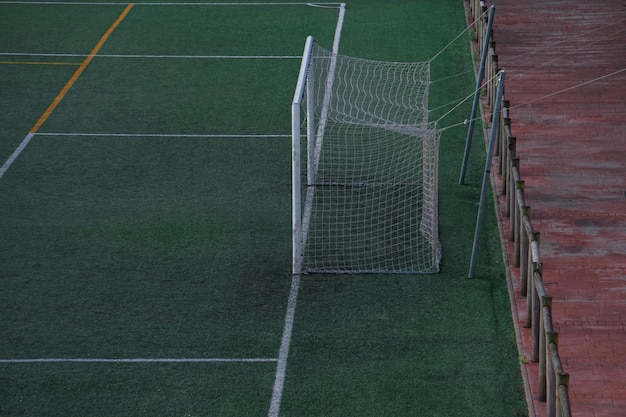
point(371, 168)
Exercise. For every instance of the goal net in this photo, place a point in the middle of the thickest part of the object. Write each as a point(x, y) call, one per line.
point(364, 167)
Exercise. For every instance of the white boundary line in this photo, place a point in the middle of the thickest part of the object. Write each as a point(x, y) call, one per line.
point(84, 3)
point(161, 135)
point(136, 360)
point(136, 56)
point(281, 367)
point(15, 154)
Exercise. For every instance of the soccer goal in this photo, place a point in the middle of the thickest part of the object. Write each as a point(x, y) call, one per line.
point(364, 166)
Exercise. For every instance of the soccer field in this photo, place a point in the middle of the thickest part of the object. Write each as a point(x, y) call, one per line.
point(146, 252)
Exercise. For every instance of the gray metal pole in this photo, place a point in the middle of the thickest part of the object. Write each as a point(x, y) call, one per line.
point(483, 192)
point(479, 82)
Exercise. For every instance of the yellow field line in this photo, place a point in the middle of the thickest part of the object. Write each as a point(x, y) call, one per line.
point(37, 63)
point(79, 71)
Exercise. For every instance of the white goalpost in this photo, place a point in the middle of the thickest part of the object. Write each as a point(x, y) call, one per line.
point(364, 166)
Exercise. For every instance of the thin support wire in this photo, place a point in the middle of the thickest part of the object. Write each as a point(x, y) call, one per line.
point(456, 38)
point(479, 82)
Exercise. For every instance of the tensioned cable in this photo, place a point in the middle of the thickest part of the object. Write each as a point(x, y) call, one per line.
point(549, 45)
point(575, 51)
point(459, 102)
point(458, 36)
point(456, 103)
point(459, 74)
point(454, 108)
point(569, 88)
point(573, 87)
point(581, 34)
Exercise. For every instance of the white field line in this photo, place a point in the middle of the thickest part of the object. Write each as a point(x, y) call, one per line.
point(15, 154)
point(163, 135)
point(281, 367)
point(139, 56)
point(135, 360)
point(71, 3)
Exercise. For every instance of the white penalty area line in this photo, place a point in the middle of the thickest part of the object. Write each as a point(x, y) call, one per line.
point(7, 164)
point(140, 56)
point(72, 3)
point(136, 360)
point(164, 135)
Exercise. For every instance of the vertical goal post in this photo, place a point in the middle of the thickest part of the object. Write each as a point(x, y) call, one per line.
point(296, 187)
point(365, 191)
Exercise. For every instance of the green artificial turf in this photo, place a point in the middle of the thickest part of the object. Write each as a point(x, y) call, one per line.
point(141, 229)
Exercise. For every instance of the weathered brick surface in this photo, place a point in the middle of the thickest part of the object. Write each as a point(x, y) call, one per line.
point(569, 116)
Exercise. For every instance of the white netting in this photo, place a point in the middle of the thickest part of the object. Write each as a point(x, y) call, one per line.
point(370, 168)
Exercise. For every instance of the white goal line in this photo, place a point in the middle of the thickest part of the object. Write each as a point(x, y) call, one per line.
point(285, 345)
point(137, 360)
point(165, 135)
